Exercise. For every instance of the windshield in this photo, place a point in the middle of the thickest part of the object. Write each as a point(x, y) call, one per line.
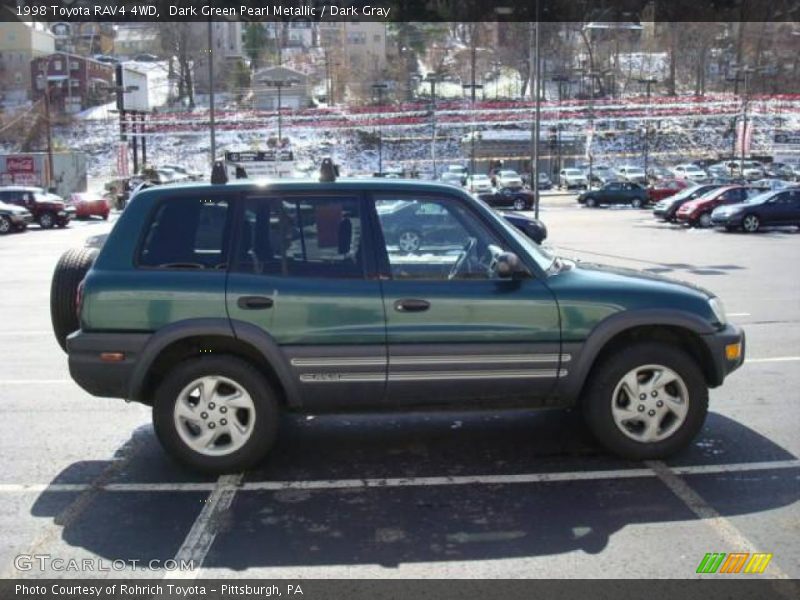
point(572, 172)
point(759, 198)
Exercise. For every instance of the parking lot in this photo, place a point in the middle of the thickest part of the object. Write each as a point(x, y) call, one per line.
point(442, 495)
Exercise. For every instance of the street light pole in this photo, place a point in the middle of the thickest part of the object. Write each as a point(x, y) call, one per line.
point(648, 83)
point(380, 87)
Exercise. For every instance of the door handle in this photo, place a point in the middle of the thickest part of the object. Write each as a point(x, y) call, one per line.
point(411, 305)
point(254, 302)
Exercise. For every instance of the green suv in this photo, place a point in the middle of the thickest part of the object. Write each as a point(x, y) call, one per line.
point(223, 305)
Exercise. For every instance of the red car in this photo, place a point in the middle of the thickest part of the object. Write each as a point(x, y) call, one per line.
point(90, 205)
point(697, 212)
point(666, 188)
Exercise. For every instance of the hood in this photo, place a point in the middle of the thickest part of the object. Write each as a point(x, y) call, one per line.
point(50, 202)
point(12, 208)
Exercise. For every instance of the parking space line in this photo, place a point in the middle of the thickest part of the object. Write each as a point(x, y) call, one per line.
point(334, 484)
point(736, 540)
point(204, 530)
point(773, 359)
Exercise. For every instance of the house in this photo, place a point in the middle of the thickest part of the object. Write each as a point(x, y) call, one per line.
point(74, 82)
point(292, 86)
point(136, 38)
point(358, 49)
point(20, 42)
point(227, 50)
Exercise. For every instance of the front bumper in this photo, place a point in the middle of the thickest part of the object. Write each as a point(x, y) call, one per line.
point(717, 343)
point(726, 220)
point(100, 377)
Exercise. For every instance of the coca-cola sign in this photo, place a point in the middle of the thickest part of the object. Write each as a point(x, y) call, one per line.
point(19, 164)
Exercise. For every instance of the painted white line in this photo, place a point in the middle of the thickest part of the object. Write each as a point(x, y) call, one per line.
point(772, 359)
point(23, 333)
point(34, 381)
point(204, 530)
point(735, 539)
point(738, 314)
point(334, 484)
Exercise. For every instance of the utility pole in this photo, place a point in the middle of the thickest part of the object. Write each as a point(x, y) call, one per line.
point(561, 80)
point(211, 112)
point(380, 88)
point(648, 83)
point(744, 79)
point(45, 74)
point(432, 78)
point(279, 84)
point(473, 87)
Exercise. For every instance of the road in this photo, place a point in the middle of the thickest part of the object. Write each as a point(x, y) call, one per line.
point(464, 495)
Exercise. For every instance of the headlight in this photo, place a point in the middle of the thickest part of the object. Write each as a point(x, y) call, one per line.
point(718, 309)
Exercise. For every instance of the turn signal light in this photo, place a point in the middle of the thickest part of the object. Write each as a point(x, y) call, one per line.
point(733, 351)
point(112, 356)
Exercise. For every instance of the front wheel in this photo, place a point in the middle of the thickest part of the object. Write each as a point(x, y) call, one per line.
point(751, 224)
point(216, 414)
point(5, 225)
point(519, 204)
point(409, 241)
point(47, 221)
point(646, 402)
point(636, 203)
point(591, 202)
point(704, 220)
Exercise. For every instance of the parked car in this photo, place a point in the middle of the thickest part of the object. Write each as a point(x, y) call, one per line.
point(616, 192)
point(774, 207)
point(572, 178)
point(656, 174)
point(460, 170)
point(772, 184)
point(13, 218)
point(737, 169)
point(545, 183)
point(89, 205)
point(508, 198)
point(601, 174)
point(689, 171)
point(351, 321)
point(666, 188)
point(48, 210)
point(183, 171)
point(632, 173)
point(697, 213)
point(667, 208)
point(530, 226)
point(779, 170)
point(451, 178)
point(479, 183)
point(506, 178)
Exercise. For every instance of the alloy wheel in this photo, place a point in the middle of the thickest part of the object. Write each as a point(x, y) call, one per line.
point(5, 225)
point(409, 241)
point(750, 223)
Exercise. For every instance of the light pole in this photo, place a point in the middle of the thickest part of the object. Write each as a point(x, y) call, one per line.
point(561, 81)
point(432, 79)
point(745, 73)
point(648, 83)
point(380, 88)
point(473, 87)
point(45, 75)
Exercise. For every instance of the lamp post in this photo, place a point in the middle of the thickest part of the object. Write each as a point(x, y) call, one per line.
point(472, 87)
point(380, 88)
point(648, 83)
point(432, 79)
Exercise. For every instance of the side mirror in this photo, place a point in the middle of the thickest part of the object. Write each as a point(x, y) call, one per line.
point(508, 265)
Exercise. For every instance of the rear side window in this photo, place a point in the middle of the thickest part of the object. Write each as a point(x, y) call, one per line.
point(301, 237)
point(187, 233)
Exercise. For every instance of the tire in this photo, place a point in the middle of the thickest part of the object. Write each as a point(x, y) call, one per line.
point(704, 220)
point(636, 203)
point(606, 387)
point(68, 274)
point(47, 220)
point(519, 204)
point(257, 423)
point(590, 202)
point(731, 228)
point(409, 241)
point(751, 223)
point(105, 217)
point(5, 225)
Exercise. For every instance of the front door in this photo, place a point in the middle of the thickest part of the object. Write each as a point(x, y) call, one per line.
point(301, 274)
point(455, 330)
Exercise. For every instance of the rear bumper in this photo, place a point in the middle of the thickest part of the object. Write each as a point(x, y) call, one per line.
point(716, 344)
point(100, 377)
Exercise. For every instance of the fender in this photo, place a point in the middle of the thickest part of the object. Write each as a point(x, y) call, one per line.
point(238, 330)
point(586, 352)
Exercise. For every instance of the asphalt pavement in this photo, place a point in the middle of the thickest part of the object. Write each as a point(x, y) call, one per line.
point(446, 495)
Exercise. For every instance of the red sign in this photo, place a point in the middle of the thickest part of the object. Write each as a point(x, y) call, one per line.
point(19, 164)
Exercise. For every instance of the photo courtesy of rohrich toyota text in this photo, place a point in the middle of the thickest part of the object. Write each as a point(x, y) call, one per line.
point(400, 299)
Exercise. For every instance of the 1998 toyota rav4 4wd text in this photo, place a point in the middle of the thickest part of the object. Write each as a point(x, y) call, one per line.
point(222, 305)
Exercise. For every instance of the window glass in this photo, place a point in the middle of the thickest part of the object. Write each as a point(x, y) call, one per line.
point(301, 237)
point(436, 238)
point(187, 233)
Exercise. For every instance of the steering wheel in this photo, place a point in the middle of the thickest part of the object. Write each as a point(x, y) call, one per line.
point(462, 259)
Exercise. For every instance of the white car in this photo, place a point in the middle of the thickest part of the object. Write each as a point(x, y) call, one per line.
point(506, 178)
point(572, 178)
point(633, 174)
point(479, 184)
point(690, 172)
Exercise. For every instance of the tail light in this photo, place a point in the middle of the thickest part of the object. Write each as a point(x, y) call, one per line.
point(79, 300)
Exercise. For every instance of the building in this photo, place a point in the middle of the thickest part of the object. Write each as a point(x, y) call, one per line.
point(227, 50)
point(74, 82)
point(132, 39)
point(358, 49)
point(20, 42)
point(295, 94)
point(85, 38)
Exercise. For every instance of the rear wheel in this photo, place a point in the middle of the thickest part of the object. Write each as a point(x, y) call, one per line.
point(591, 202)
point(47, 220)
point(519, 204)
point(216, 414)
point(636, 203)
point(409, 241)
point(648, 401)
point(67, 276)
point(5, 225)
point(751, 223)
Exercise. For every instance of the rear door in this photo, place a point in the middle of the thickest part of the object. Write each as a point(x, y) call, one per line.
point(456, 331)
point(302, 272)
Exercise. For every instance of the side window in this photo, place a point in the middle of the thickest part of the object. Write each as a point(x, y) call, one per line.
point(436, 239)
point(301, 237)
point(187, 233)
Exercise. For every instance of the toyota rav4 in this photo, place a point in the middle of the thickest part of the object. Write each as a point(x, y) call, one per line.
point(222, 305)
